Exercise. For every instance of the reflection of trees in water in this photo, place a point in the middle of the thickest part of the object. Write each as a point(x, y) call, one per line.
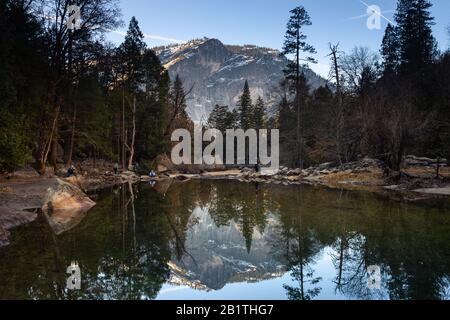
point(122, 247)
point(394, 237)
point(409, 242)
point(300, 255)
point(125, 243)
point(298, 246)
point(242, 203)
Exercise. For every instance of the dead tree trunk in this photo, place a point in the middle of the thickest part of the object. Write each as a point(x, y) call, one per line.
point(340, 116)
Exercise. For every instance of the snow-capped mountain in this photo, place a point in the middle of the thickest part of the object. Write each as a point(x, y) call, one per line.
point(217, 73)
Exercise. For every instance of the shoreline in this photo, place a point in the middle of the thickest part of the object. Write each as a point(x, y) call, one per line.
point(21, 197)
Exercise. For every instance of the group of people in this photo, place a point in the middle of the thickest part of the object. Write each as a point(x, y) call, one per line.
point(152, 173)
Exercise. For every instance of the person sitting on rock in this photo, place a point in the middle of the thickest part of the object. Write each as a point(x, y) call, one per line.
point(71, 171)
point(152, 174)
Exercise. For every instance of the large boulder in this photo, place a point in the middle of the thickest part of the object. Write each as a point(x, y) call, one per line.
point(163, 163)
point(65, 196)
point(161, 168)
point(65, 205)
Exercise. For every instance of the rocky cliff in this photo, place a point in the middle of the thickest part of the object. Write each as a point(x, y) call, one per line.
point(217, 73)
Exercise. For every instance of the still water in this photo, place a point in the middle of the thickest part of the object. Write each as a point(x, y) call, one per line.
point(228, 240)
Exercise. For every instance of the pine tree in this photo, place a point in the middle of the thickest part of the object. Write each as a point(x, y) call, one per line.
point(177, 100)
point(219, 118)
point(259, 114)
point(131, 54)
point(295, 44)
point(153, 115)
point(233, 119)
point(286, 124)
point(245, 108)
point(416, 42)
point(390, 50)
point(222, 118)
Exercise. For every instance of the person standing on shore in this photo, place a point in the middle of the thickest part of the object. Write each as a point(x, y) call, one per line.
point(116, 168)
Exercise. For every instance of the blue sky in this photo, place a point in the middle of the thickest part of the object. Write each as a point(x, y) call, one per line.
point(263, 22)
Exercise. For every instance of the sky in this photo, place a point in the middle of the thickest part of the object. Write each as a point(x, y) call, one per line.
point(263, 22)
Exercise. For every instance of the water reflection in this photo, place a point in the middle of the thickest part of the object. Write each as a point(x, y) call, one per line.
point(222, 239)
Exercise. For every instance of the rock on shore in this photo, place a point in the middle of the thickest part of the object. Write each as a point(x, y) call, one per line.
point(65, 196)
point(63, 203)
point(414, 161)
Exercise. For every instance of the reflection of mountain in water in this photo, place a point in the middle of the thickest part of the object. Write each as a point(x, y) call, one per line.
point(218, 256)
point(206, 234)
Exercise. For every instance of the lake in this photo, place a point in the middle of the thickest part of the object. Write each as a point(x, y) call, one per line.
point(230, 240)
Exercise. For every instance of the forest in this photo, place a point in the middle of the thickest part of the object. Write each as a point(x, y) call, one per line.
point(69, 94)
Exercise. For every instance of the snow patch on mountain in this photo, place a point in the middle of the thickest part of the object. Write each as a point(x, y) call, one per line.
point(217, 73)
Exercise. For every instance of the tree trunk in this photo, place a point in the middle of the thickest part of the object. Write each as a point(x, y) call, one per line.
point(54, 152)
point(297, 90)
point(124, 141)
point(133, 136)
point(72, 137)
point(438, 167)
point(42, 161)
point(339, 123)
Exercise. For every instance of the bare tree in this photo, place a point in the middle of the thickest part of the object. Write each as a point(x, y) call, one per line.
point(97, 16)
point(339, 123)
point(356, 66)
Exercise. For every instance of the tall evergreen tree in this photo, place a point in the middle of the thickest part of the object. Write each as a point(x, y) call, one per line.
point(390, 50)
point(245, 108)
point(295, 44)
point(219, 117)
point(177, 101)
point(153, 114)
point(416, 42)
point(131, 53)
point(259, 114)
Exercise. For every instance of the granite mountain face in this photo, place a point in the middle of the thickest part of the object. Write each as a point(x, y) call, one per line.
point(217, 73)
